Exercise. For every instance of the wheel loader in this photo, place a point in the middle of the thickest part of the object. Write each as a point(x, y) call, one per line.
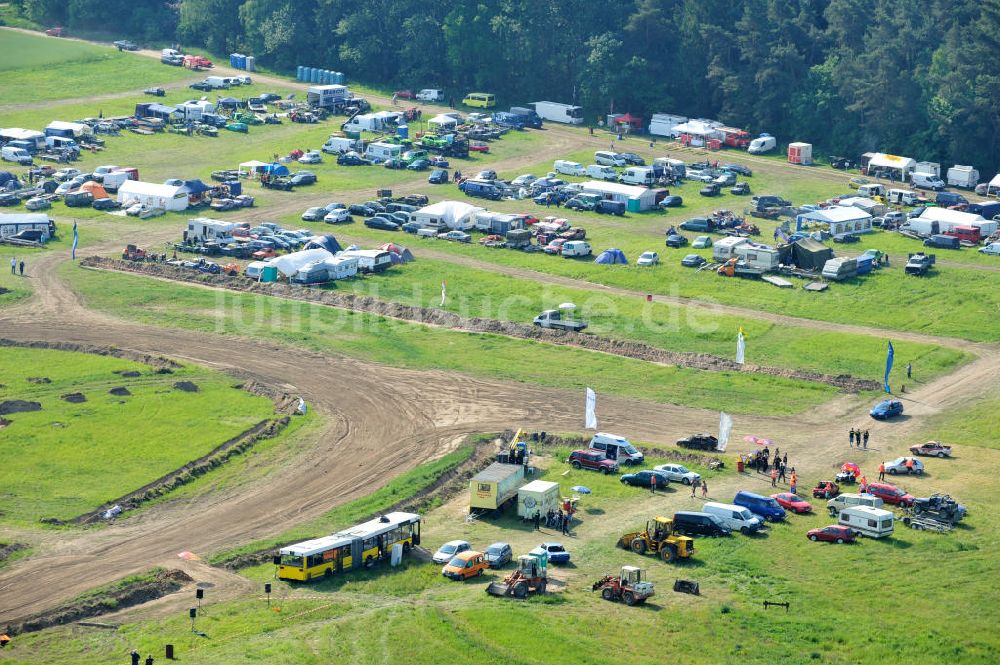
point(627, 587)
point(659, 539)
point(530, 576)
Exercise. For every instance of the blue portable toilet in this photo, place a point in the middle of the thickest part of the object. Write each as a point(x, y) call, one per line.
point(314, 75)
point(402, 131)
point(232, 59)
point(241, 61)
point(235, 187)
point(327, 76)
point(340, 78)
point(298, 72)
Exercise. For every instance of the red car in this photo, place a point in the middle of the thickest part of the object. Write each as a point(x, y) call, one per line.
point(826, 489)
point(404, 94)
point(933, 448)
point(890, 494)
point(832, 534)
point(792, 502)
point(593, 460)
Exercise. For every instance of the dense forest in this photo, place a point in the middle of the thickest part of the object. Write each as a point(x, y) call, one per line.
point(915, 77)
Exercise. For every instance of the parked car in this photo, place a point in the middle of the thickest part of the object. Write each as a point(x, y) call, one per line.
point(202, 86)
point(126, 45)
point(725, 179)
point(557, 553)
point(648, 259)
point(890, 494)
point(846, 238)
point(710, 189)
point(887, 408)
point(311, 157)
point(105, 204)
point(455, 236)
point(678, 473)
point(992, 249)
point(381, 223)
point(352, 159)
point(826, 489)
point(303, 178)
point(419, 165)
point(645, 478)
point(763, 506)
point(676, 241)
point(739, 169)
point(593, 460)
point(64, 174)
point(740, 189)
point(404, 94)
point(465, 565)
point(447, 551)
point(671, 201)
point(632, 159)
point(438, 177)
point(37, 203)
point(834, 533)
point(523, 180)
point(899, 466)
point(337, 216)
point(792, 502)
point(700, 524)
point(361, 209)
point(702, 242)
point(486, 174)
point(498, 555)
point(693, 261)
point(314, 214)
point(931, 448)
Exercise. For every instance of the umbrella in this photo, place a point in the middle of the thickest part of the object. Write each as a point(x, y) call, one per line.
point(567, 305)
point(852, 467)
point(760, 441)
point(580, 489)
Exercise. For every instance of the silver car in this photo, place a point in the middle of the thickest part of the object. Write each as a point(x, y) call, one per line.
point(678, 473)
point(898, 466)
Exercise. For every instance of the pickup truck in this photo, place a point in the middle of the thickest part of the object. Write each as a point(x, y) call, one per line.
point(919, 263)
point(552, 318)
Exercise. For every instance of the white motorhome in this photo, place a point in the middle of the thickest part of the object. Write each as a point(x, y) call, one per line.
point(725, 248)
point(868, 521)
point(736, 518)
point(638, 175)
point(568, 168)
point(383, 151)
point(756, 256)
point(601, 172)
point(203, 228)
point(566, 113)
point(762, 144)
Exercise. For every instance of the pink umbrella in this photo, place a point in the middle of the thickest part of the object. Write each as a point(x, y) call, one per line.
point(852, 468)
point(760, 441)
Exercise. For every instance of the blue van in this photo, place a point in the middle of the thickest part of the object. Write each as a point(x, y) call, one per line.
point(948, 199)
point(764, 506)
point(510, 120)
point(481, 188)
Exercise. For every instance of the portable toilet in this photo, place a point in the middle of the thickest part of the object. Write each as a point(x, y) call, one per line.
point(269, 274)
point(251, 63)
point(800, 153)
point(235, 187)
point(340, 78)
point(402, 131)
point(232, 59)
point(328, 75)
point(299, 72)
point(314, 75)
point(634, 205)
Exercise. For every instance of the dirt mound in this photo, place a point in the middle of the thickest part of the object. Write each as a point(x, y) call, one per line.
point(438, 317)
point(120, 391)
point(115, 599)
point(39, 380)
point(4, 422)
point(158, 362)
point(18, 406)
point(186, 386)
point(283, 402)
point(6, 549)
point(128, 374)
point(74, 398)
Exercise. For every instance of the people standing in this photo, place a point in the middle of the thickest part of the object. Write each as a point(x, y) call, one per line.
point(538, 520)
point(652, 483)
point(149, 659)
point(784, 461)
point(866, 439)
point(794, 481)
point(13, 266)
point(781, 473)
point(135, 657)
point(881, 471)
point(704, 490)
point(909, 465)
point(774, 477)
point(909, 370)
point(22, 267)
point(850, 438)
point(694, 486)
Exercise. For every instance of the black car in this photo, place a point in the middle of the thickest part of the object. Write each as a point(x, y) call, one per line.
point(381, 223)
point(846, 238)
point(645, 479)
point(303, 178)
point(739, 169)
point(841, 163)
point(361, 210)
point(740, 188)
point(632, 159)
point(693, 261)
point(699, 524)
point(200, 85)
point(415, 199)
point(352, 159)
point(711, 189)
point(268, 97)
point(126, 45)
point(105, 204)
point(676, 240)
point(487, 174)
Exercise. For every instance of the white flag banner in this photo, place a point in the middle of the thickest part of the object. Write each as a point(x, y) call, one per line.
point(741, 347)
point(443, 292)
point(725, 427)
point(591, 414)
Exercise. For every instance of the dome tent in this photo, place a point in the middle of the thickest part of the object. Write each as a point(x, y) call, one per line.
point(611, 256)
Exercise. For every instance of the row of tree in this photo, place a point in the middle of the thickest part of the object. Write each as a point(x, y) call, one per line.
point(917, 77)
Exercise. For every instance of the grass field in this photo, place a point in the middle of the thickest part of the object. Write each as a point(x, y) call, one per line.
point(401, 344)
point(68, 458)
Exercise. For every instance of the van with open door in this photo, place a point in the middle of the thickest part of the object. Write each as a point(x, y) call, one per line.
point(617, 448)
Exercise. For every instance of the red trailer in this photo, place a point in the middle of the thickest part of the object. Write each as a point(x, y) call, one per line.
point(735, 138)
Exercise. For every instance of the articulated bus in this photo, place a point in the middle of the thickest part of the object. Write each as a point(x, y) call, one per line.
point(352, 548)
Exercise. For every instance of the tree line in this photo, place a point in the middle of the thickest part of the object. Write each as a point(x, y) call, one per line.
point(913, 77)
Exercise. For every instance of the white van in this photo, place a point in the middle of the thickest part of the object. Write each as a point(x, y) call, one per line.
point(254, 268)
point(577, 248)
point(608, 158)
point(927, 181)
point(734, 517)
point(217, 82)
point(568, 168)
point(430, 95)
point(838, 503)
point(601, 172)
point(615, 447)
point(762, 144)
point(14, 154)
point(902, 197)
point(867, 521)
point(871, 190)
point(339, 144)
point(638, 175)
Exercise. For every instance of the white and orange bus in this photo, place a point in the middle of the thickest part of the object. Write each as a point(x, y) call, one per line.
point(349, 549)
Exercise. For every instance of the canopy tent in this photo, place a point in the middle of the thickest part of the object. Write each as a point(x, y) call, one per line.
point(806, 253)
point(327, 242)
point(154, 110)
point(274, 168)
point(399, 254)
point(253, 167)
point(611, 256)
point(228, 102)
point(195, 187)
point(633, 121)
point(95, 188)
point(442, 122)
point(840, 219)
point(698, 128)
point(453, 214)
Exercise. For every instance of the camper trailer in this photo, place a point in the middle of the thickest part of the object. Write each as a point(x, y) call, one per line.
point(840, 268)
point(383, 151)
point(725, 248)
point(341, 267)
point(201, 229)
point(868, 521)
point(370, 260)
point(757, 256)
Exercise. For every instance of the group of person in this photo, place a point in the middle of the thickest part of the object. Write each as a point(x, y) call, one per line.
point(14, 265)
point(704, 488)
point(856, 436)
point(554, 520)
point(776, 466)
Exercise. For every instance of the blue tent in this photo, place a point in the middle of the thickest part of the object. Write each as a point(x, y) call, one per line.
point(610, 256)
point(327, 242)
point(274, 168)
point(195, 187)
point(6, 178)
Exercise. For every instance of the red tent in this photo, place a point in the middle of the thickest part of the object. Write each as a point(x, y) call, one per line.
point(633, 121)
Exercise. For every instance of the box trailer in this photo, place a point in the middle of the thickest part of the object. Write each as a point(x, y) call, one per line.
point(963, 176)
point(800, 153)
point(662, 124)
point(556, 112)
point(495, 486)
point(327, 96)
point(538, 496)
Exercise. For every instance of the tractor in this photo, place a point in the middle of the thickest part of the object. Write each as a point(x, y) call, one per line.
point(658, 538)
point(530, 576)
point(133, 253)
point(628, 587)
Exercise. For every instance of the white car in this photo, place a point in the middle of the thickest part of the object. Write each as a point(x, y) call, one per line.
point(311, 157)
point(992, 248)
point(449, 550)
point(898, 465)
point(678, 473)
point(66, 187)
point(455, 236)
point(701, 242)
point(523, 180)
point(648, 259)
point(62, 175)
point(337, 216)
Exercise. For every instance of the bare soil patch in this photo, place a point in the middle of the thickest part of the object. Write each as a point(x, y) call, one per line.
point(74, 398)
point(18, 406)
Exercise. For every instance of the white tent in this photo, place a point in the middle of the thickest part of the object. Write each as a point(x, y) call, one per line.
point(993, 189)
point(698, 128)
point(443, 122)
point(615, 191)
point(882, 162)
point(253, 167)
point(77, 128)
point(453, 214)
point(840, 219)
point(289, 264)
point(167, 197)
point(948, 219)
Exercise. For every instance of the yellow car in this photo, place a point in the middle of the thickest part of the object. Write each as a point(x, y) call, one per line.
point(465, 565)
point(480, 99)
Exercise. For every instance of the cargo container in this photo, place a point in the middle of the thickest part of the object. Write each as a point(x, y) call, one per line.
point(495, 486)
point(538, 496)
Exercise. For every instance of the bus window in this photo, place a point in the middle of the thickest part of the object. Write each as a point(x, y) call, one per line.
point(293, 561)
point(574, 112)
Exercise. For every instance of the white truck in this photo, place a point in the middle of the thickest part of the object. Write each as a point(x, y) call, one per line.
point(963, 176)
point(339, 144)
point(430, 95)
